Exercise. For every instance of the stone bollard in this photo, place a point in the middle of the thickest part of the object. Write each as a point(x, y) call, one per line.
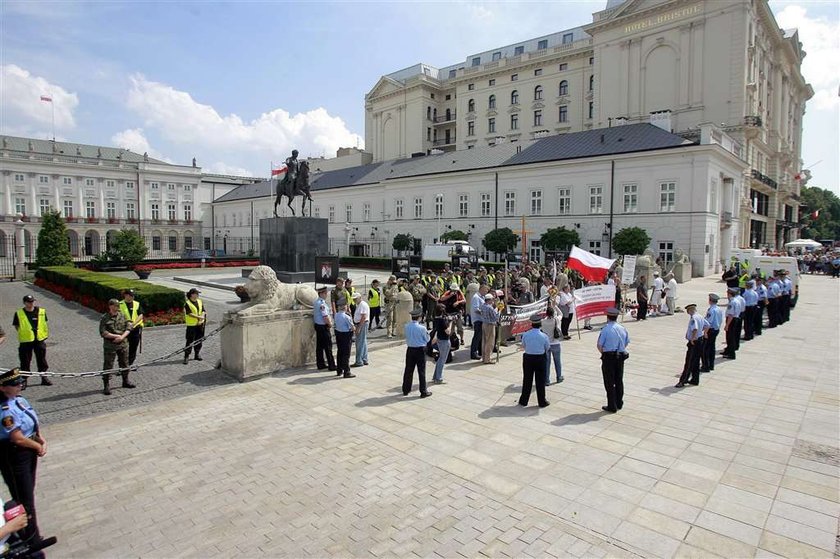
point(405, 304)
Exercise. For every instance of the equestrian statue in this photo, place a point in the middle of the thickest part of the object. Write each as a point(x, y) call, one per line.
point(295, 183)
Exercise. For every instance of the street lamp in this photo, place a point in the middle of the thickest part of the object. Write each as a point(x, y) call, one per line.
point(438, 198)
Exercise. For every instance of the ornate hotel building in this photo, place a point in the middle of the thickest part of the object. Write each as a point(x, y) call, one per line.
point(720, 62)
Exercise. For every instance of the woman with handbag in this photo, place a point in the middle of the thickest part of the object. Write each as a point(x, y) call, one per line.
point(441, 330)
point(551, 328)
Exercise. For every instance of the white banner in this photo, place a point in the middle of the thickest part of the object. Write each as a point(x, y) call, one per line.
point(628, 273)
point(594, 300)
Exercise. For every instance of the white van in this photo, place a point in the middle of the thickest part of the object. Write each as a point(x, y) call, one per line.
point(787, 263)
point(447, 251)
point(745, 255)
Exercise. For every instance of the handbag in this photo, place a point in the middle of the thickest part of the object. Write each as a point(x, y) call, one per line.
point(556, 331)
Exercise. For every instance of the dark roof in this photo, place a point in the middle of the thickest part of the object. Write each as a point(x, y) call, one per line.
point(592, 143)
point(262, 189)
point(70, 149)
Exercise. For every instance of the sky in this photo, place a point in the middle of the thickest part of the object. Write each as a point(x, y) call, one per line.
point(238, 85)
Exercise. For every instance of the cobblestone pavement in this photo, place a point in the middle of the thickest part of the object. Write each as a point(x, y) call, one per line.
point(304, 464)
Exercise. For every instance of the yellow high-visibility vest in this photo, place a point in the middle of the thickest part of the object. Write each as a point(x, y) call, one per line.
point(196, 308)
point(25, 333)
point(373, 298)
point(130, 315)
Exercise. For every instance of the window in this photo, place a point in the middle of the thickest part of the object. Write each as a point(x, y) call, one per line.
point(19, 177)
point(564, 198)
point(155, 212)
point(542, 45)
point(492, 82)
point(591, 109)
point(366, 211)
point(44, 204)
point(471, 105)
point(497, 55)
point(90, 209)
point(568, 38)
point(596, 199)
point(111, 210)
point(514, 97)
point(563, 67)
point(470, 87)
point(331, 214)
point(418, 208)
point(68, 208)
point(537, 118)
point(463, 205)
point(348, 213)
point(491, 125)
point(43, 179)
point(173, 215)
point(187, 212)
point(476, 61)
point(538, 72)
point(173, 243)
point(438, 205)
point(666, 251)
point(188, 240)
point(155, 242)
point(67, 181)
point(398, 209)
point(631, 199)
point(510, 203)
point(471, 128)
point(595, 247)
point(564, 88)
point(564, 114)
point(155, 186)
point(110, 183)
point(514, 77)
point(538, 92)
point(491, 102)
point(453, 73)
point(129, 185)
point(591, 60)
point(428, 113)
point(536, 202)
point(485, 204)
point(591, 82)
point(187, 187)
point(20, 206)
point(129, 210)
point(535, 252)
point(667, 196)
point(514, 122)
point(448, 97)
point(518, 50)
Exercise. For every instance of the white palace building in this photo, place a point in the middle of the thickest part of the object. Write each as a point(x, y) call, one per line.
point(683, 117)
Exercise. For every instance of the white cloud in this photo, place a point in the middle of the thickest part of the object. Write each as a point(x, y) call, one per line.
point(224, 169)
point(183, 121)
point(21, 105)
point(135, 140)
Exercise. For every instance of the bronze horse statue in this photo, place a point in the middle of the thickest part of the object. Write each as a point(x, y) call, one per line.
point(292, 187)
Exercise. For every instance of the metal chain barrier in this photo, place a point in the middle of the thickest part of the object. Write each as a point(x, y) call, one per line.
point(120, 370)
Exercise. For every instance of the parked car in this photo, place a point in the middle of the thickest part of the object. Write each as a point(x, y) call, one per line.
point(195, 253)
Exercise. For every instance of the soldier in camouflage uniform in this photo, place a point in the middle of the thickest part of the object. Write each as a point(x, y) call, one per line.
point(389, 294)
point(417, 291)
point(113, 327)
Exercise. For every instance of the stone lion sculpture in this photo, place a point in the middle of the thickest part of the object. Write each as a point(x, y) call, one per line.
point(269, 294)
point(680, 257)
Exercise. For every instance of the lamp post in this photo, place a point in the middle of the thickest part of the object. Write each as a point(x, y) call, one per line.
point(438, 197)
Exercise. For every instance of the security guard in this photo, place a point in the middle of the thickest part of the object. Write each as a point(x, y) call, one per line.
point(33, 330)
point(21, 443)
point(694, 337)
point(132, 311)
point(390, 296)
point(375, 304)
point(787, 297)
point(113, 327)
point(732, 328)
point(536, 346)
point(612, 344)
point(350, 291)
point(416, 338)
point(714, 316)
point(774, 297)
point(751, 301)
point(761, 291)
point(195, 317)
point(322, 319)
point(343, 340)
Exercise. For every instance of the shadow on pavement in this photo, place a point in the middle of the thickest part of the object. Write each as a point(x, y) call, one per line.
point(208, 377)
point(667, 390)
point(579, 418)
point(316, 380)
point(68, 395)
point(382, 400)
point(509, 411)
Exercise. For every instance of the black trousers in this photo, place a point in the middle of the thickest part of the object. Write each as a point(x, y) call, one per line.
point(414, 357)
point(323, 347)
point(612, 369)
point(343, 342)
point(691, 369)
point(475, 344)
point(641, 314)
point(134, 339)
point(737, 336)
point(564, 323)
point(758, 319)
point(732, 335)
point(375, 314)
point(533, 368)
point(25, 351)
point(193, 333)
point(773, 312)
point(749, 322)
point(786, 307)
point(708, 359)
point(18, 466)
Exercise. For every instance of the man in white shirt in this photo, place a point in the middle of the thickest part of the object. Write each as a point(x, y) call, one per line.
point(656, 296)
point(360, 319)
point(671, 293)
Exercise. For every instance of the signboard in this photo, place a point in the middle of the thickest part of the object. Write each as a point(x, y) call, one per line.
point(405, 266)
point(594, 300)
point(628, 274)
point(326, 269)
point(465, 261)
point(517, 318)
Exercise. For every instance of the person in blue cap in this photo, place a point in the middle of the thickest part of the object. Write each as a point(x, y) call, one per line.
point(536, 346)
point(732, 328)
point(416, 338)
point(714, 316)
point(613, 340)
point(694, 337)
point(751, 299)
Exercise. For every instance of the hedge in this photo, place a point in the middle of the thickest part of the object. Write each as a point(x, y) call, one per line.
point(162, 305)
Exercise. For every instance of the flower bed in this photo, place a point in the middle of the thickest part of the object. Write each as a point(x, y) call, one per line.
point(212, 264)
point(162, 305)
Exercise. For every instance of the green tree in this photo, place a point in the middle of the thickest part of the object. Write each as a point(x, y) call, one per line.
point(402, 242)
point(53, 244)
point(500, 241)
point(826, 205)
point(454, 235)
point(632, 240)
point(559, 238)
point(127, 248)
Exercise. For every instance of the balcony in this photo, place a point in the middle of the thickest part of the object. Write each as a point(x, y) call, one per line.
point(752, 126)
point(445, 118)
point(444, 142)
point(764, 179)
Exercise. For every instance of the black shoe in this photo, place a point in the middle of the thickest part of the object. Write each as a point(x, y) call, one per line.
point(186, 360)
point(679, 385)
point(349, 375)
point(197, 358)
point(357, 365)
point(46, 382)
point(475, 357)
point(405, 393)
point(704, 370)
point(127, 384)
point(545, 404)
point(611, 410)
point(106, 391)
point(439, 381)
point(621, 405)
point(694, 383)
point(425, 394)
point(322, 368)
point(331, 368)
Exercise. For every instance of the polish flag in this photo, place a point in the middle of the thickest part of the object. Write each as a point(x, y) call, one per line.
point(815, 215)
point(591, 266)
point(278, 172)
point(46, 98)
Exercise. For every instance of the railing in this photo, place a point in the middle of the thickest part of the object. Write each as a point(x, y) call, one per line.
point(445, 118)
point(764, 179)
point(753, 121)
point(444, 142)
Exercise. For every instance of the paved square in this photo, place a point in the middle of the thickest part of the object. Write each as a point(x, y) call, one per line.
point(304, 464)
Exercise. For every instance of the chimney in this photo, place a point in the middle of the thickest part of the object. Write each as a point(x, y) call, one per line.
point(661, 119)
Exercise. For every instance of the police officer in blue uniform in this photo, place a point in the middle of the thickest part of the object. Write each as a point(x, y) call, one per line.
point(21, 443)
point(343, 339)
point(751, 299)
point(774, 295)
point(714, 316)
point(695, 338)
point(416, 338)
point(733, 323)
point(612, 343)
point(761, 291)
point(787, 295)
point(322, 319)
point(536, 346)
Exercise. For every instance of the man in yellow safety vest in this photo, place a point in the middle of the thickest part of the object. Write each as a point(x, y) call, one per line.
point(195, 318)
point(32, 328)
point(133, 313)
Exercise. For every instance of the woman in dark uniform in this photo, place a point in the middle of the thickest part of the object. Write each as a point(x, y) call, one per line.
point(21, 444)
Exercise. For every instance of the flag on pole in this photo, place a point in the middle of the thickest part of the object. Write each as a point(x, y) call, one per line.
point(815, 214)
point(278, 172)
point(46, 98)
point(591, 266)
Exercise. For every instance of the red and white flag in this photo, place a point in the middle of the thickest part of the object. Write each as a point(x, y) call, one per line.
point(815, 215)
point(278, 172)
point(46, 98)
point(591, 266)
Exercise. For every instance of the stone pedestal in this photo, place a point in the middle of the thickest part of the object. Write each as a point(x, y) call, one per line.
point(254, 346)
point(289, 246)
point(682, 271)
point(405, 304)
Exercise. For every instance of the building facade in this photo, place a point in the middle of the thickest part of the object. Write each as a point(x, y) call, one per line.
point(705, 61)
